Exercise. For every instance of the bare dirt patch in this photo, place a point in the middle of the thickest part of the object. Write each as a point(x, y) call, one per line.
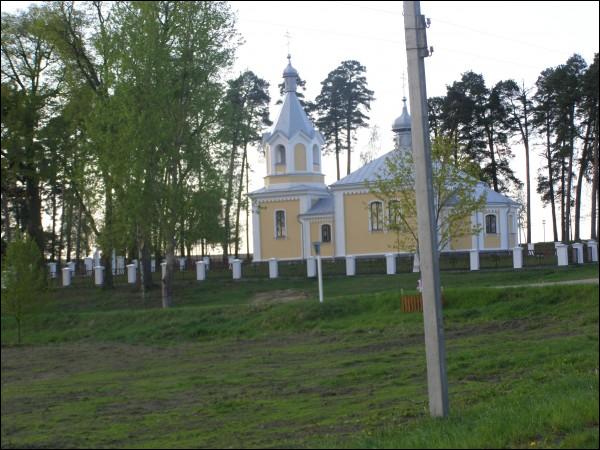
point(280, 296)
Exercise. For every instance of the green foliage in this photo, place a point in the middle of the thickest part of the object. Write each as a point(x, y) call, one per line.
point(23, 279)
point(456, 196)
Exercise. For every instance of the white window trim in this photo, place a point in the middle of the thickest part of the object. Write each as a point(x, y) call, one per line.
point(275, 224)
point(485, 224)
point(383, 218)
point(330, 232)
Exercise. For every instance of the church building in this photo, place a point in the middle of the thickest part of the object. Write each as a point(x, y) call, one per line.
point(296, 208)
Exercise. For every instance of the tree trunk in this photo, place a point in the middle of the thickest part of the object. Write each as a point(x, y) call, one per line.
point(78, 236)
point(69, 229)
point(595, 230)
point(239, 202)
point(167, 281)
point(490, 136)
point(54, 208)
point(348, 146)
point(107, 241)
point(583, 162)
point(551, 181)
point(247, 212)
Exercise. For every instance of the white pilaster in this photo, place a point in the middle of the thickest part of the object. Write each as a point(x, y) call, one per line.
point(339, 237)
point(255, 231)
point(503, 229)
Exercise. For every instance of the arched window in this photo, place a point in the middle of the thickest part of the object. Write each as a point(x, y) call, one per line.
point(376, 216)
point(280, 154)
point(316, 160)
point(280, 232)
point(325, 233)
point(394, 215)
point(490, 224)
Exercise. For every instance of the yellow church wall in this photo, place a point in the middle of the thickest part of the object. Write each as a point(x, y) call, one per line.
point(315, 235)
point(491, 241)
point(279, 168)
point(300, 157)
point(359, 240)
point(462, 242)
point(291, 245)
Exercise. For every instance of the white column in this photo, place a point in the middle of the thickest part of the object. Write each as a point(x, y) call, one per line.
point(518, 257)
point(416, 263)
point(273, 269)
point(255, 233)
point(350, 265)
point(504, 229)
point(474, 237)
point(66, 276)
point(99, 275)
point(131, 273)
point(89, 265)
point(52, 269)
point(163, 270)
point(481, 235)
point(200, 271)
point(237, 268)
point(390, 263)
point(340, 231)
point(578, 246)
point(306, 238)
point(594, 246)
point(474, 259)
point(311, 267)
point(562, 254)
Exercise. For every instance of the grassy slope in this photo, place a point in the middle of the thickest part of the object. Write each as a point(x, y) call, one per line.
point(522, 368)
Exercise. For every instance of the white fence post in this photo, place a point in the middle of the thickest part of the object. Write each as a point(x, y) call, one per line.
point(99, 275)
point(152, 265)
point(131, 273)
point(593, 245)
point(416, 263)
point(66, 276)
point(390, 263)
point(273, 269)
point(518, 257)
point(52, 269)
point(474, 259)
point(89, 265)
point(562, 254)
point(350, 265)
point(200, 271)
point(578, 246)
point(237, 268)
point(206, 260)
point(311, 267)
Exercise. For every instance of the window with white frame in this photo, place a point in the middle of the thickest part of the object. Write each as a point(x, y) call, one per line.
point(315, 151)
point(280, 229)
point(280, 154)
point(376, 216)
point(325, 233)
point(490, 224)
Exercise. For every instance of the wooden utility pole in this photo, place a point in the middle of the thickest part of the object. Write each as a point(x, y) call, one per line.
point(415, 27)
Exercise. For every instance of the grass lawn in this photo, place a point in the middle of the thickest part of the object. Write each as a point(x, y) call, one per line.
point(259, 363)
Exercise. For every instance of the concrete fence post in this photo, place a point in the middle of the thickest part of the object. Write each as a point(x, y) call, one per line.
point(200, 271)
point(562, 255)
point(131, 273)
point(311, 267)
point(593, 246)
point(89, 265)
point(206, 260)
point(237, 268)
point(350, 265)
point(416, 263)
point(578, 246)
point(273, 268)
point(518, 257)
point(99, 275)
point(66, 276)
point(152, 265)
point(390, 263)
point(474, 259)
point(52, 269)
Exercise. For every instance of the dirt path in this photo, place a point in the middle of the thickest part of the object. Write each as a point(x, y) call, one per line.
point(550, 283)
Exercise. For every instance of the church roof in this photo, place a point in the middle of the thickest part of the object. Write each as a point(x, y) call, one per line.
point(369, 173)
point(284, 188)
point(322, 207)
point(292, 119)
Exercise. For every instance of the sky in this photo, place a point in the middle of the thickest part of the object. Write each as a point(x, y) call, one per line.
point(499, 40)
